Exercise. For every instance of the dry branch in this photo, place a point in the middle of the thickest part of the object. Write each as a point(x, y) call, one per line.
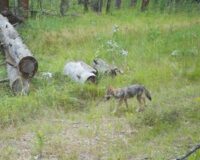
point(194, 149)
point(4, 80)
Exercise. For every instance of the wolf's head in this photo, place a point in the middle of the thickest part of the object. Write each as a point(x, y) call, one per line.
point(109, 93)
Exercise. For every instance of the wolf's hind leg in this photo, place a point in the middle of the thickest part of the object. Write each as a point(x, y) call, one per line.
point(139, 98)
point(125, 100)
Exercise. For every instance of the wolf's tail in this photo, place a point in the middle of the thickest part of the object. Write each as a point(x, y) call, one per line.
point(147, 93)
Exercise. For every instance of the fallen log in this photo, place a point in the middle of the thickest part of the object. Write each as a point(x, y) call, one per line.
point(17, 50)
point(12, 18)
point(18, 84)
point(80, 72)
point(103, 67)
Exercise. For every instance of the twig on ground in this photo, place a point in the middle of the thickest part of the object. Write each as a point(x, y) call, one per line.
point(194, 149)
point(4, 80)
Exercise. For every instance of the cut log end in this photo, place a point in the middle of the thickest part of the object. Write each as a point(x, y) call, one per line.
point(92, 79)
point(17, 86)
point(20, 87)
point(28, 67)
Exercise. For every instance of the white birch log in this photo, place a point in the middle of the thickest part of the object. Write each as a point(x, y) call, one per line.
point(18, 84)
point(80, 72)
point(17, 50)
point(103, 67)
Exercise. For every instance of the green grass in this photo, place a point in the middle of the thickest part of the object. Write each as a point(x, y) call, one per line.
point(60, 119)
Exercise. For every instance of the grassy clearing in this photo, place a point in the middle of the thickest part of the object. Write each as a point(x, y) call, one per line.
point(60, 119)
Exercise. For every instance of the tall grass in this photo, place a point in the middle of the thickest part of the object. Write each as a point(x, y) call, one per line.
point(160, 48)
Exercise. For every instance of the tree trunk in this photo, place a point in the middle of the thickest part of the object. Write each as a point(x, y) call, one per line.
point(4, 5)
point(97, 5)
point(85, 3)
point(108, 6)
point(133, 3)
point(118, 4)
point(145, 4)
point(100, 4)
point(40, 5)
point(80, 1)
point(23, 7)
point(64, 6)
point(18, 52)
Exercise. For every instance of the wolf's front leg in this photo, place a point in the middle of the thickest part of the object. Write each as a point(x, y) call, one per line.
point(117, 106)
point(125, 100)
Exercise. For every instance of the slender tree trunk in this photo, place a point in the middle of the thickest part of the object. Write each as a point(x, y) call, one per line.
point(64, 5)
point(85, 3)
point(100, 5)
point(23, 7)
point(4, 10)
point(4, 5)
point(118, 4)
point(145, 4)
point(40, 5)
point(97, 5)
point(80, 1)
point(133, 3)
point(108, 6)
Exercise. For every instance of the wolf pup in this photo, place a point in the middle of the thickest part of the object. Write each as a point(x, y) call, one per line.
point(128, 92)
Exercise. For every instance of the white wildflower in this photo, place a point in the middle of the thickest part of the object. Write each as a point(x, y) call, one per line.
point(124, 52)
point(115, 28)
point(175, 53)
point(47, 75)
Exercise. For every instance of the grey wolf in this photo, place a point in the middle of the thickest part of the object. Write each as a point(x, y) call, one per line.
point(125, 93)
